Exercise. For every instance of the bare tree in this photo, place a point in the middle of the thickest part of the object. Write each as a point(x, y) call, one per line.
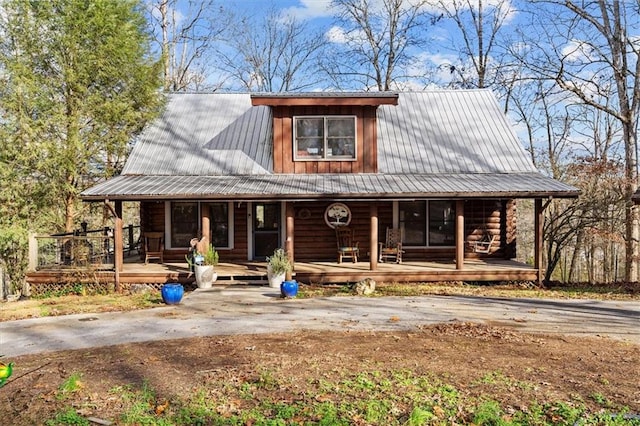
point(185, 33)
point(480, 59)
point(376, 42)
point(275, 53)
point(588, 53)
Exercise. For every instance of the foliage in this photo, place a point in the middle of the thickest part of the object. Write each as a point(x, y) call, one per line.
point(14, 254)
point(68, 417)
point(592, 223)
point(71, 385)
point(211, 256)
point(77, 85)
point(279, 262)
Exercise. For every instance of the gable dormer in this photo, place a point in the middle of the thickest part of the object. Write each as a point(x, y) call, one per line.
point(325, 132)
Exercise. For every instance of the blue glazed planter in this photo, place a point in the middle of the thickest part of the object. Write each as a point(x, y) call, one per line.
point(289, 288)
point(172, 293)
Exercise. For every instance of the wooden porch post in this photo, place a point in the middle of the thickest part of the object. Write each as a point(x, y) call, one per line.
point(373, 241)
point(118, 255)
point(539, 223)
point(459, 234)
point(206, 221)
point(289, 237)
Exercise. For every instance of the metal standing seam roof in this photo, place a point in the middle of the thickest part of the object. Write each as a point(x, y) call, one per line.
point(432, 144)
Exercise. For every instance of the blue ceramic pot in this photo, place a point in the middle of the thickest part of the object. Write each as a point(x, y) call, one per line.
point(172, 293)
point(289, 288)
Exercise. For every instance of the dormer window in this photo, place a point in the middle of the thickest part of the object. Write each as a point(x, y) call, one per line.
point(324, 138)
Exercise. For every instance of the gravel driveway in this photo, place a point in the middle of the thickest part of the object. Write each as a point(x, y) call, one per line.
point(248, 310)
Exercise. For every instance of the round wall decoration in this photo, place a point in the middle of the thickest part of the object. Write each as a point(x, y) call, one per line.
point(304, 213)
point(337, 214)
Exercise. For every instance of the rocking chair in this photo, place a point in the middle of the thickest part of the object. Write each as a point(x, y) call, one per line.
point(484, 244)
point(346, 246)
point(153, 246)
point(392, 247)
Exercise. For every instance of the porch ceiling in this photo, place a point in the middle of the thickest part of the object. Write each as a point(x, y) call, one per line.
point(331, 186)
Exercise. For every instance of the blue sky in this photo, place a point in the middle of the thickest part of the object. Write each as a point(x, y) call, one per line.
point(301, 9)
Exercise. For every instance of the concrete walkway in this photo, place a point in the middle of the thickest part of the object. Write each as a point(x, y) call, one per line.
point(248, 310)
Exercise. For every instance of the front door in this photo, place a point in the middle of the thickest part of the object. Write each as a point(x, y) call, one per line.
point(266, 229)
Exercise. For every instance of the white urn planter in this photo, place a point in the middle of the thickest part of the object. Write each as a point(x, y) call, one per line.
point(274, 279)
point(205, 275)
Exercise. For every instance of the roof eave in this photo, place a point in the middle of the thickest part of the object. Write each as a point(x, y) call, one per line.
point(351, 99)
point(341, 196)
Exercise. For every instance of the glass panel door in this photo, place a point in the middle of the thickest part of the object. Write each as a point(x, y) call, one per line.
point(266, 229)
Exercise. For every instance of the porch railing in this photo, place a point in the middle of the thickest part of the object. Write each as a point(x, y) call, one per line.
point(80, 249)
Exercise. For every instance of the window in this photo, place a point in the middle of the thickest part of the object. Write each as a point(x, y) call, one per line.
point(324, 138)
point(413, 219)
point(219, 224)
point(184, 223)
point(427, 223)
point(442, 225)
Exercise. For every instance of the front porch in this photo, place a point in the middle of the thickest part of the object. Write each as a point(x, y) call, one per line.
point(134, 272)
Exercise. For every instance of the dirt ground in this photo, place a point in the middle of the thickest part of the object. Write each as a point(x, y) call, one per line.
point(555, 368)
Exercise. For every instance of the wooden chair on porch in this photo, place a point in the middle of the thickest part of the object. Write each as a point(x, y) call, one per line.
point(347, 248)
point(391, 249)
point(484, 244)
point(153, 246)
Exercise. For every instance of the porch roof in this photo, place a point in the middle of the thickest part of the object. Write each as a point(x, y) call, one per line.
point(331, 186)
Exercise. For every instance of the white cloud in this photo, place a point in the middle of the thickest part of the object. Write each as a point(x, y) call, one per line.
point(336, 34)
point(578, 51)
point(309, 9)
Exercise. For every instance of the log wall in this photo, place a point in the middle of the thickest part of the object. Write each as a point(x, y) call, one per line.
point(314, 240)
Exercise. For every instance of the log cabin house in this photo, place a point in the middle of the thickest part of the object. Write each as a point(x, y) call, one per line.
point(254, 172)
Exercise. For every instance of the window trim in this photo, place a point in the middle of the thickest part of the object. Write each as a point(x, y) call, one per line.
point(325, 138)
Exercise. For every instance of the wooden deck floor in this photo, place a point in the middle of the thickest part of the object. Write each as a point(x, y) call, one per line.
point(318, 272)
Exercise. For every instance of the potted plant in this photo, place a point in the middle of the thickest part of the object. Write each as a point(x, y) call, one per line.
point(278, 267)
point(204, 267)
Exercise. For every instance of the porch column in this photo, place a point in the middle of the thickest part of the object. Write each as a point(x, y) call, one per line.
point(118, 249)
point(289, 246)
point(206, 221)
point(373, 240)
point(459, 234)
point(537, 245)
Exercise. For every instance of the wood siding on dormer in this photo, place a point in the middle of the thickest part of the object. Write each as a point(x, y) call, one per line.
point(366, 140)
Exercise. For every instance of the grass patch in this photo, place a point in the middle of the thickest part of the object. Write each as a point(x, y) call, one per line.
point(395, 397)
point(506, 290)
point(74, 304)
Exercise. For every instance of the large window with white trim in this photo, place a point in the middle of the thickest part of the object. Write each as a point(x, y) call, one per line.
point(185, 222)
point(427, 222)
point(330, 138)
